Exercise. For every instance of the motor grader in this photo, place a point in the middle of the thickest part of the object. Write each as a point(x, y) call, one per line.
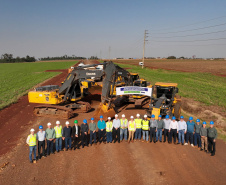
point(165, 100)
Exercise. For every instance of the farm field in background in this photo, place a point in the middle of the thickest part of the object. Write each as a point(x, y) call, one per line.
point(17, 78)
point(216, 67)
point(203, 87)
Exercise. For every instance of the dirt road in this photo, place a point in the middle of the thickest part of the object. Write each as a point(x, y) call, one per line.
point(134, 163)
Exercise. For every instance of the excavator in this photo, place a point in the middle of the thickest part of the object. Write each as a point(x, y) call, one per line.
point(64, 101)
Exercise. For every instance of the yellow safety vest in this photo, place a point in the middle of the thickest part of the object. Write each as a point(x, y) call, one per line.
point(132, 125)
point(32, 140)
point(145, 124)
point(138, 123)
point(58, 131)
point(125, 123)
point(109, 126)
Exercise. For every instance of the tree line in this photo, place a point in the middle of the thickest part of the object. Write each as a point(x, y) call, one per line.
point(8, 58)
point(65, 57)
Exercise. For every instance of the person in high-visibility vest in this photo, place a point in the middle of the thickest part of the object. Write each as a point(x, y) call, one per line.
point(109, 127)
point(145, 128)
point(131, 128)
point(58, 131)
point(32, 142)
point(123, 128)
point(138, 122)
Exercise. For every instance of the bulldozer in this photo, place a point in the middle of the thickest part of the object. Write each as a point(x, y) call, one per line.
point(65, 101)
point(165, 100)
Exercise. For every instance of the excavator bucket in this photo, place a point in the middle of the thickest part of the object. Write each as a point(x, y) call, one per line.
point(104, 111)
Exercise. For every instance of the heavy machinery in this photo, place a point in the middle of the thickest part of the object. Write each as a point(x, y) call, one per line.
point(139, 100)
point(114, 76)
point(164, 100)
point(64, 101)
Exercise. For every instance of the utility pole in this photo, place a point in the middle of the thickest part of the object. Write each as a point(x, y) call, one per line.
point(109, 52)
point(145, 36)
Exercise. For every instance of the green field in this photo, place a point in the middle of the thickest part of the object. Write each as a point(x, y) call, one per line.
point(203, 87)
point(17, 78)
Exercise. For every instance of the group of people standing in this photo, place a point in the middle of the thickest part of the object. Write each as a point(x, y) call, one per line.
point(117, 131)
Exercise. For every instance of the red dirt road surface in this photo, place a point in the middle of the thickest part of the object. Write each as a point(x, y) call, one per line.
point(216, 67)
point(134, 163)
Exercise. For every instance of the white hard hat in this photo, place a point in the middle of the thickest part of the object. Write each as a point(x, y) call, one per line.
point(131, 117)
point(57, 122)
point(123, 116)
point(109, 118)
point(116, 115)
point(145, 116)
point(32, 130)
point(48, 124)
point(138, 115)
point(67, 123)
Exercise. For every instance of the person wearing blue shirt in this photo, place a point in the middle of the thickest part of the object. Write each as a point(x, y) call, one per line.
point(190, 131)
point(101, 126)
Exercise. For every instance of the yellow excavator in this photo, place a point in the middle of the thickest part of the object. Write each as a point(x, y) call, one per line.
point(64, 101)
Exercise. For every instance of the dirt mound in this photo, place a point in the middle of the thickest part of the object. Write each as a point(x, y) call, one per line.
point(207, 113)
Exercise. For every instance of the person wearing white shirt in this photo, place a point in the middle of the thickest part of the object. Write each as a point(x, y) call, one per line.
point(182, 129)
point(166, 128)
point(116, 129)
point(173, 129)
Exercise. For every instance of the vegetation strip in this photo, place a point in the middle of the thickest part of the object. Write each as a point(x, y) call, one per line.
point(17, 78)
point(203, 87)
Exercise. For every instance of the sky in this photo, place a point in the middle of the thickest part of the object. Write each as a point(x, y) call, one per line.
point(113, 28)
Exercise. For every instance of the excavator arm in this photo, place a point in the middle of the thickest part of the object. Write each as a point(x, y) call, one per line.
point(111, 74)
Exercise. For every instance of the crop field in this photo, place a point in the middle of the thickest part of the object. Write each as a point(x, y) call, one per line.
point(17, 78)
point(203, 87)
point(216, 67)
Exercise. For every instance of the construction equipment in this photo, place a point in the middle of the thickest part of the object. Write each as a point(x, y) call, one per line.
point(112, 74)
point(140, 100)
point(64, 101)
point(165, 100)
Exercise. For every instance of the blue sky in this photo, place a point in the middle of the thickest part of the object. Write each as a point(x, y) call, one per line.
point(90, 27)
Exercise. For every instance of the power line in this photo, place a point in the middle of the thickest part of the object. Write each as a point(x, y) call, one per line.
point(193, 23)
point(193, 34)
point(192, 29)
point(194, 45)
point(191, 40)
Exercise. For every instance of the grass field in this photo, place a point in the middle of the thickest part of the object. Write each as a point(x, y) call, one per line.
point(203, 87)
point(16, 79)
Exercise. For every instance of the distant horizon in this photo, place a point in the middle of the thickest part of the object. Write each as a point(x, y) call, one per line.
point(113, 29)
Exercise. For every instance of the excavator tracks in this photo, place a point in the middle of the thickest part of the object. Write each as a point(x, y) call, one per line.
point(63, 112)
